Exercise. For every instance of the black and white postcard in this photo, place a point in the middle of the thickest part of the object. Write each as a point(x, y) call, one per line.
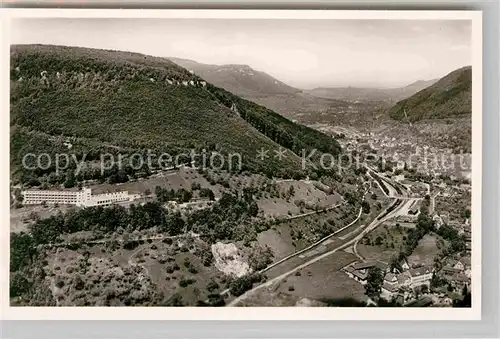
point(247, 164)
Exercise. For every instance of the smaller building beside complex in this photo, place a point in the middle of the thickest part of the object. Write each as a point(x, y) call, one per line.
point(359, 270)
point(83, 198)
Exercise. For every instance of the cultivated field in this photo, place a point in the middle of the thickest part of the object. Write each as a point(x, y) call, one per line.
point(323, 279)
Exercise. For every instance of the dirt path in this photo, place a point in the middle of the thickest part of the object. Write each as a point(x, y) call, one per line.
point(120, 241)
point(314, 212)
point(133, 263)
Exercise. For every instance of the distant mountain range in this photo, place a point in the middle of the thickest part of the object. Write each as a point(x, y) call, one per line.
point(370, 94)
point(241, 80)
point(447, 98)
point(291, 102)
point(260, 88)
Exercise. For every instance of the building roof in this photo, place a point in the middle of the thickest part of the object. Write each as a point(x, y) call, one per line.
point(450, 270)
point(390, 277)
point(363, 265)
point(389, 287)
point(460, 278)
point(360, 275)
point(35, 190)
point(423, 302)
point(415, 272)
point(400, 299)
point(368, 264)
point(403, 277)
point(465, 261)
point(349, 269)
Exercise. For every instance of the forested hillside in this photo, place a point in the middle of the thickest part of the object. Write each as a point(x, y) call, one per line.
point(109, 101)
point(448, 98)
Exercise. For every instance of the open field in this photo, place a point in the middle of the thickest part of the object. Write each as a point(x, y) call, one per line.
point(20, 218)
point(182, 177)
point(296, 234)
point(297, 197)
point(428, 248)
point(323, 279)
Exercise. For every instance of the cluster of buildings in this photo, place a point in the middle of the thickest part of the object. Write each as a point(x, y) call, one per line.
point(409, 278)
point(447, 191)
point(458, 272)
point(417, 189)
point(393, 282)
point(463, 228)
point(81, 198)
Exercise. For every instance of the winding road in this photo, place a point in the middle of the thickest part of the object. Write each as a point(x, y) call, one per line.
point(375, 223)
point(379, 219)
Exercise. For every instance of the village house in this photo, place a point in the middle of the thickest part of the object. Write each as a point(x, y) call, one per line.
point(465, 263)
point(455, 224)
point(458, 266)
point(450, 270)
point(399, 177)
point(359, 271)
point(388, 291)
point(420, 276)
point(459, 280)
point(446, 301)
point(390, 286)
point(394, 282)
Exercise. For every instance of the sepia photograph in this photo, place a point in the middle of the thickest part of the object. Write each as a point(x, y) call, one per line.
point(252, 159)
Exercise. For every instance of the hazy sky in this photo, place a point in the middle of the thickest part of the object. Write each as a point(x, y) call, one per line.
point(301, 53)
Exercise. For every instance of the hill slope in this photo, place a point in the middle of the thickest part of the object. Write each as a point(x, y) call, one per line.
point(106, 101)
point(241, 80)
point(449, 97)
point(262, 89)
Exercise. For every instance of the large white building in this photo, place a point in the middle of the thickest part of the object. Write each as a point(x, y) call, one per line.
point(82, 198)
